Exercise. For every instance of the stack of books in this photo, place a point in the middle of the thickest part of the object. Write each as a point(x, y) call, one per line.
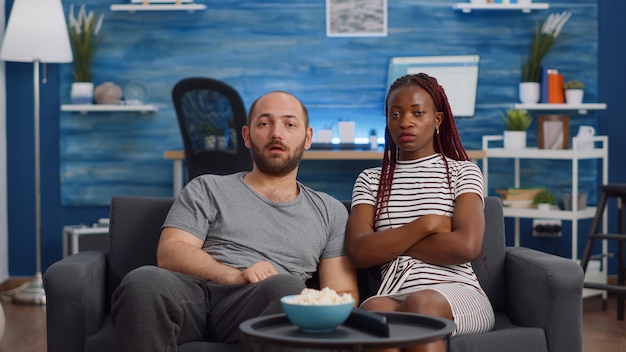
point(518, 197)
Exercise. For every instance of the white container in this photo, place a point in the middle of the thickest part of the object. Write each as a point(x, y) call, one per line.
point(514, 139)
point(81, 93)
point(529, 92)
point(373, 142)
point(325, 136)
point(574, 96)
point(346, 131)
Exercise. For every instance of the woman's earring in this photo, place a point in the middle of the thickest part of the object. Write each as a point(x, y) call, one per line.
point(437, 129)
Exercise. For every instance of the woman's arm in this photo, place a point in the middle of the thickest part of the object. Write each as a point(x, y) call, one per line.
point(367, 248)
point(460, 245)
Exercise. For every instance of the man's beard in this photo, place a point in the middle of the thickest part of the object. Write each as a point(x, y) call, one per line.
point(276, 166)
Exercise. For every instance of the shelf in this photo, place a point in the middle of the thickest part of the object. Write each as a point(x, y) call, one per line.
point(158, 7)
point(582, 108)
point(535, 153)
point(85, 108)
point(533, 213)
point(525, 8)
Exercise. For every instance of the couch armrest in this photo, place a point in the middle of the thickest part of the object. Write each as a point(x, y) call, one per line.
point(76, 300)
point(545, 290)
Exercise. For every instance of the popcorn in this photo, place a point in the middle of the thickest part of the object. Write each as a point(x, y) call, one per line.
point(325, 296)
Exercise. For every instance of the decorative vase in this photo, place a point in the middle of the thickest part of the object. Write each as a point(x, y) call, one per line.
point(222, 143)
point(544, 206)
point(108, 93)
point(574, 96)
point(325, 136)
point(529, 92)
point(346, 131)
point(82, 93)
point(373, 142)
point(209, 142)
point(514, 139)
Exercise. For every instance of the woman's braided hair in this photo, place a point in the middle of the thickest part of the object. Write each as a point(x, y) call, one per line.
point(447, 141)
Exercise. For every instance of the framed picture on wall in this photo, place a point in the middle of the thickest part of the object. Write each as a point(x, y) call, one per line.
point(363, 18)
point(553, 132)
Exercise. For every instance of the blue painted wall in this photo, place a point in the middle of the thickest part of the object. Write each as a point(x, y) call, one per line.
point(258, 46)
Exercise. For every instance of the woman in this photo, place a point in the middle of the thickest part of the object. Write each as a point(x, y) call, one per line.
point(420, 216)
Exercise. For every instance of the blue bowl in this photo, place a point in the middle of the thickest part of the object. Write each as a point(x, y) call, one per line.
point(316, 318)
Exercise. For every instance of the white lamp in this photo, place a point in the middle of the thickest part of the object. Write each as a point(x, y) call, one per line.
point(36, 32)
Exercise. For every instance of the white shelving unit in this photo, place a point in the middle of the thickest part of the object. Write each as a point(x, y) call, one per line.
point(158, 7)
point(600, 151)
point(85, 108)
point(467, 7)
point(582, 108)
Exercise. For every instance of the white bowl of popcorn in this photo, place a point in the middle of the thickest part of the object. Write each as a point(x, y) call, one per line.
point(317, 310)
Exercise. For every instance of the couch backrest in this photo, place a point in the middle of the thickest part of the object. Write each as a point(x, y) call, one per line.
point(134, 231)
point(135, 228)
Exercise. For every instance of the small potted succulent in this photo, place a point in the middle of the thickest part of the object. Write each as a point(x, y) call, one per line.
point(516, 122)
point(210, 135)
point(574, 91)
point(544, 199)
point(373, 139)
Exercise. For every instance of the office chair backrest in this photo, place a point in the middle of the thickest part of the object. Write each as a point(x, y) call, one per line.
point(205, 106)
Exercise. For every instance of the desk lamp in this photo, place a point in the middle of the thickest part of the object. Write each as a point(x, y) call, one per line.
point(36, 32)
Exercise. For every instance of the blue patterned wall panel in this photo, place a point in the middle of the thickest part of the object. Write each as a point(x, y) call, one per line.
point(259, 46)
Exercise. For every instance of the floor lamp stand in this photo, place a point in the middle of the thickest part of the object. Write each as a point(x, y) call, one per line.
point(34, 292)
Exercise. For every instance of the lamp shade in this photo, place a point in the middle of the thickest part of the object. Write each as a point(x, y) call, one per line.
point(36, 31)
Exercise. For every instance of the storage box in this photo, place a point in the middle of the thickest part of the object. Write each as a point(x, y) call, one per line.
point(78, 238)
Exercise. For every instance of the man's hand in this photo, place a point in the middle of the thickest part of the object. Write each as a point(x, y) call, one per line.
point(258, 272)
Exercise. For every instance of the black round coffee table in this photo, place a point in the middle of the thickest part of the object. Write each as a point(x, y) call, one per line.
point(405, 329)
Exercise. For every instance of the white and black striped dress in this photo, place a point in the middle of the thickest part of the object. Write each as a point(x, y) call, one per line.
point(421, 187)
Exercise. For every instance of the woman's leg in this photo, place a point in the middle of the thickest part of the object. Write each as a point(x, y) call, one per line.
point(428, 302)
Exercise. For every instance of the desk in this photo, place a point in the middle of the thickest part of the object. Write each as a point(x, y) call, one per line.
point(405, 329)
point(178, 156)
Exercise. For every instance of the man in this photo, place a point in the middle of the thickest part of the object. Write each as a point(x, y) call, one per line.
point(232, 245)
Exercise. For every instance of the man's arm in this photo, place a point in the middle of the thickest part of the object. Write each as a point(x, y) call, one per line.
point(339, 274)
point(182, 252)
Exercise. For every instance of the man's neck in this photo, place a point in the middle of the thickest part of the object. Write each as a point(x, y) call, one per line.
point(280, 189)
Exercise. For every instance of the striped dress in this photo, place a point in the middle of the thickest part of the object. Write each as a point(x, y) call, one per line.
point(421, 187)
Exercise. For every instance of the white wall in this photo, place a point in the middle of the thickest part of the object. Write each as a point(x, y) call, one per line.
point(4, 252)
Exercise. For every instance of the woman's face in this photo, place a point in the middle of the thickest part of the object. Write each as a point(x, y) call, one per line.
point(412, 120)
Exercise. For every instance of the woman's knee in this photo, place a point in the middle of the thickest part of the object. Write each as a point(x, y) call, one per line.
point(380, 304)
point(429, 302)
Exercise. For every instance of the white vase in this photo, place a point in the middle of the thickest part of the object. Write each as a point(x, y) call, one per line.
point(346, 131)
point(514, 139)
point(325, 136)
point(222, 143)
point(529, 92)
point(209, 142)
point(81, 93)
point(574, 96)
point(373, 142)
point(544, 206)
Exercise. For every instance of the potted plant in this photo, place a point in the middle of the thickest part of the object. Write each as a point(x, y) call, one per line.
point(373, 139)
point(222, 142)
point(544, 199)
point(543, 41)
point(232, 132)
point(210, 135)
point(516, 123)
point(574, 91)
point(84, 36)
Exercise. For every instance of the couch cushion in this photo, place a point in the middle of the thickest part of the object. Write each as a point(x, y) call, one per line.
point(504, 337)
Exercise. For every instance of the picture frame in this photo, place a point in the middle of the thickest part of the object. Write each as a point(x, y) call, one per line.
point(553, 131)
point(365, 18)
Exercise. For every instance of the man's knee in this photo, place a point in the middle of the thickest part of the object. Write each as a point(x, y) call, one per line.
point(277, 286)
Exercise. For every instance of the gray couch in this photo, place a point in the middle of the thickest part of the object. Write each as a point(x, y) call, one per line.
point(537, 296)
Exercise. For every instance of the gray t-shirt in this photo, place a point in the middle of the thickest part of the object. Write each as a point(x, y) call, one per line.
point(240, 227)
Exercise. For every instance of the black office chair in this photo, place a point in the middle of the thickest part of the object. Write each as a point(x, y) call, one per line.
point(206, 106)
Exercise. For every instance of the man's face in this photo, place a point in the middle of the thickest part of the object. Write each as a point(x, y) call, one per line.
point(277, 134)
